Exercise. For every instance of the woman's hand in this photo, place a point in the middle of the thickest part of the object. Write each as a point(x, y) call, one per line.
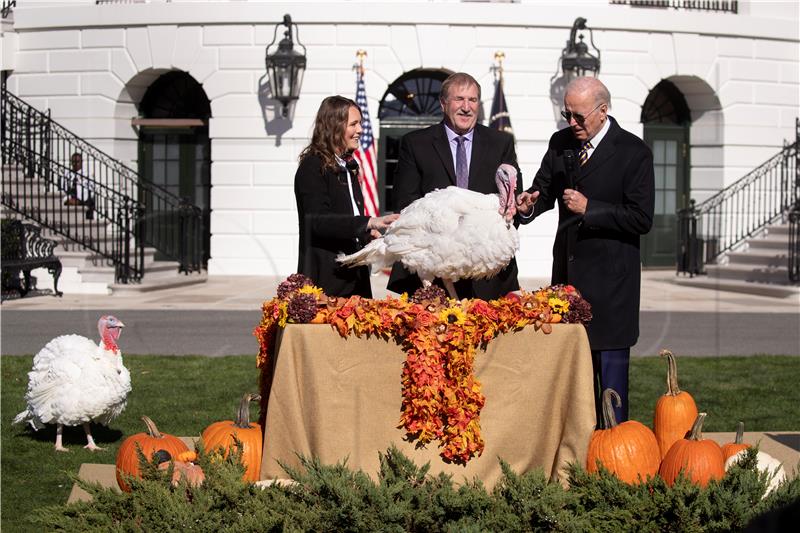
point(380, 224)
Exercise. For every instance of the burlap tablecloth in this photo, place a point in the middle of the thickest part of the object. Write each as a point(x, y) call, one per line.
point(337, 399)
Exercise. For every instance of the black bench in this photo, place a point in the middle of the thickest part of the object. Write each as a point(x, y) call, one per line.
point(24, 249)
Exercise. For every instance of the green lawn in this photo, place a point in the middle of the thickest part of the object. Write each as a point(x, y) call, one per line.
point(184, 394)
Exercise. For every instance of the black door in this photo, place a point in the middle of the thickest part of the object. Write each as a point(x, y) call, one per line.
point(667, 119)
point(178, 160)
point(175, 154)
point(670, 164)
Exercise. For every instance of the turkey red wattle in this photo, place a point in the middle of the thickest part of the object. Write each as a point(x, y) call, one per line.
point(110, 329)
point(506, 180)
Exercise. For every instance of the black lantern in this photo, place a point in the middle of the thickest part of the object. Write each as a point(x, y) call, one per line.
point(576, 61)
point(285, 66)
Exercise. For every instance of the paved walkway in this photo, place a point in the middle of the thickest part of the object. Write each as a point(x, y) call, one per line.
point(659, 293)
point(216, 318)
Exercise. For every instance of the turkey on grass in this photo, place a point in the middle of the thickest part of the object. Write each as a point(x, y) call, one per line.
point(75, 381)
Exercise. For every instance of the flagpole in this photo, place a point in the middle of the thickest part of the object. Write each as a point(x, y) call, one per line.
point(499, 56)
point(360, 55)
point(366, 153)
point(499, 118)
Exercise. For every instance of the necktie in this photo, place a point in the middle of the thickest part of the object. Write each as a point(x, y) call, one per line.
point(462, 172)
point(583, 155)
point(351, 165)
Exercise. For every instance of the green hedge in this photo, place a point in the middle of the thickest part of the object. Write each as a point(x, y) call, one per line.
point(406, 498)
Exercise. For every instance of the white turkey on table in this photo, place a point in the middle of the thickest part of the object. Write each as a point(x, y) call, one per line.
point(451, 234)
point(76, 381)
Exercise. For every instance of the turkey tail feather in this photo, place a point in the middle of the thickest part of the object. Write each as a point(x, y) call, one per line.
point(373, 253)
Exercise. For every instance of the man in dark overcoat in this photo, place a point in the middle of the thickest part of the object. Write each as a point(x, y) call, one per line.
point(601, 178)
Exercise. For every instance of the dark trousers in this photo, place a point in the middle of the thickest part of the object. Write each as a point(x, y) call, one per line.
point(611, 372)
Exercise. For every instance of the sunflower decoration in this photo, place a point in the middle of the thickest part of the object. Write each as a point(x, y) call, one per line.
point(558, 305)
point(453, 315)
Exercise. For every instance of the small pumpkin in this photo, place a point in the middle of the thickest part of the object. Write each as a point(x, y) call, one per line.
point(629, 449)
point(675, 410)
point(150, 442)
point(765, 463)
point(732, 448)
point(188, 456)
point(700, 459)
point(193, 474)
point(219, 435)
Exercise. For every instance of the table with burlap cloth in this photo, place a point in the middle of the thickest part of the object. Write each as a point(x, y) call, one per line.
point(336, 399)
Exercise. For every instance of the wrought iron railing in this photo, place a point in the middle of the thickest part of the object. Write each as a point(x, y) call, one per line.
point(794, 244)
point(7, 7)
point(120, 214)
point(764, 196)
point(727, 6)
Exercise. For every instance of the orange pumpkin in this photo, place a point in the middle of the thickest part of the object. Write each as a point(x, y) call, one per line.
point(220, 435)
point(675, 409)
point(732, 448)
point(629, 450)
point(150, 442)
point(700, 459)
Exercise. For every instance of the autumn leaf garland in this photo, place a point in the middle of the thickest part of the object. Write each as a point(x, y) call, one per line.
point(442, 399)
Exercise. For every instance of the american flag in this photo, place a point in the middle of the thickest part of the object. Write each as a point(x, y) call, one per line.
point(366, 154)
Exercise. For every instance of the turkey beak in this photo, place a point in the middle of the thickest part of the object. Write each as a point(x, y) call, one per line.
point(120, 324)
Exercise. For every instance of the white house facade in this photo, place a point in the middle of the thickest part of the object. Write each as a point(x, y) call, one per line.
point(732, 79)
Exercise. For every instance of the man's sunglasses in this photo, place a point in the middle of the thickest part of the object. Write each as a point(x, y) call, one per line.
point(580, 119)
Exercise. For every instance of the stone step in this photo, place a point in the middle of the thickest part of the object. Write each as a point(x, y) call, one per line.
point(761, 257)
point(147, 284)
point(79, 257)
point(771, 242)
point(73, 281)
point(746, 287)
point(778, 229)
point(750, 273)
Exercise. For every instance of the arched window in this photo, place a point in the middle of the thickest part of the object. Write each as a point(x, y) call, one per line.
point(414, 94)
point(666, 105)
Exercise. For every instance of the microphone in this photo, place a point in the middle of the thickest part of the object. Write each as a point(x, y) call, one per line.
point(569, 167)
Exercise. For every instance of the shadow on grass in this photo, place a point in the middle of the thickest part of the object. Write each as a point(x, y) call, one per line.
point(72, 435)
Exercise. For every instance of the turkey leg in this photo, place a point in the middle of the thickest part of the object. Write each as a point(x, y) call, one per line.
point(451, 289)
point(90, 445)
point(59, 432)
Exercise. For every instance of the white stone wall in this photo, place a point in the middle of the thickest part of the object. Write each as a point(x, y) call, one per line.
point(92, 64)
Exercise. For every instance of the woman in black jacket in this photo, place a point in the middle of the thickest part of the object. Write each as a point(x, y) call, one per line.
point(330, 205)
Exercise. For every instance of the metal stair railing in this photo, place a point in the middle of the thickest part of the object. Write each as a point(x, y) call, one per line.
point(36, 155)
point(763, 196)
point(725, 6)
point(7, 7)
point(794, 244)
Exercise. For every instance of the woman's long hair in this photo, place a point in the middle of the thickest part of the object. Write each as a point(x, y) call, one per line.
point(327, 140)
